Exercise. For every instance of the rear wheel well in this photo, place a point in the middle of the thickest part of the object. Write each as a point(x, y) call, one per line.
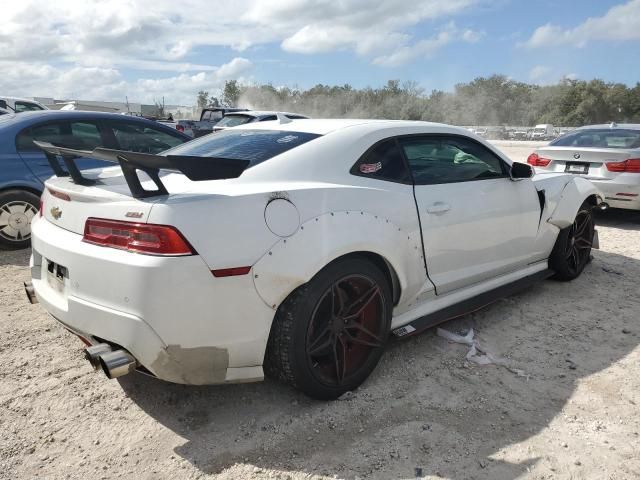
point(593, 199)
point(26, 189)
point(385, 267)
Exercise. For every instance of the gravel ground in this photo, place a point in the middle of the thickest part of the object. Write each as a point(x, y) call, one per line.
point(571, 412)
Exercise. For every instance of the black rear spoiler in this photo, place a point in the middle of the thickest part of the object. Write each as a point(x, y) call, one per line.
point(194, 168)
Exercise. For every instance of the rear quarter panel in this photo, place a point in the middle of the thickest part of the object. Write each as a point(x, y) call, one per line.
point(15, 174)
point(330, 220)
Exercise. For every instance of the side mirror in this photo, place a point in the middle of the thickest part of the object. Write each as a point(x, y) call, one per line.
point(521, 170)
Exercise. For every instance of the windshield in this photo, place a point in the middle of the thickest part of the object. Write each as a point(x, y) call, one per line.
point(600, 138)
point(253, 145)
point(233, 120)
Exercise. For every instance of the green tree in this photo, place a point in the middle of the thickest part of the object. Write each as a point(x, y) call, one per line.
point(203, 99)
point(231, 93)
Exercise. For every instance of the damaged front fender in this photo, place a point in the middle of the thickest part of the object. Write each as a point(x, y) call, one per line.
point(574, 194)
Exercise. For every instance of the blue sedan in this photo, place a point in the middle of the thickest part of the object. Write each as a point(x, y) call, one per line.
point(24, 167)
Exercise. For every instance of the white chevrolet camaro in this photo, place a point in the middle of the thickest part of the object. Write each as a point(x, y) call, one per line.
point(294, 248)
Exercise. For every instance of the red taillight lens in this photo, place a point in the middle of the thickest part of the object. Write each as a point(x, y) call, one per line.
point(628, 166)
point(137, 237)
point(180, 128)
point(537, 161)
point(60, 195)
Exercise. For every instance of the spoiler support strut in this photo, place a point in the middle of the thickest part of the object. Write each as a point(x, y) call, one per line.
point(194, 168)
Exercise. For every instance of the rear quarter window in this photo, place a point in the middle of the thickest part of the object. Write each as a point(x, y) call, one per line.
point(142, 138)
point(383, 161)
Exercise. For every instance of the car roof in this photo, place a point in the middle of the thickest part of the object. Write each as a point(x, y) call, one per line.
point(19, 99)
point(27, 118)
point(322, 126)
point(612, 126)
point(262, 113)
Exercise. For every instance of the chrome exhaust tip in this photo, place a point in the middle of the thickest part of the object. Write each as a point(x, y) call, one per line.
point(603, 206)
point(117, 363)
point(93, 353)
point(31, 294)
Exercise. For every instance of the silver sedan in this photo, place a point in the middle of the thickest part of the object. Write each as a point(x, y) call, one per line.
point(608, 155)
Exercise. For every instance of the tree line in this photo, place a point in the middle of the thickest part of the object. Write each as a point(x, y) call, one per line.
point(494, 100)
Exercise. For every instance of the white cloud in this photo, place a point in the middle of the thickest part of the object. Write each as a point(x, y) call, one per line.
point(620, 23)
point(169, 30)
point(99, 40)
point(540, 73)
point(427, 47)
point(97, 83)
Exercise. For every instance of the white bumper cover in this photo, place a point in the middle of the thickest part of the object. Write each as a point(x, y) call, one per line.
point(178, 320)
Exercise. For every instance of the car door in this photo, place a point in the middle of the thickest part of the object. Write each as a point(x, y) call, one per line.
point(477, 223)
point(81, 134)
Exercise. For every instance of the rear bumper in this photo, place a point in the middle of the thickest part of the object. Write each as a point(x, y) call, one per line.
point(619, 194)
point(178, 321)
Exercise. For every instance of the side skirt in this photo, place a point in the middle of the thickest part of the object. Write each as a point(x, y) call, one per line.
point(470, 305)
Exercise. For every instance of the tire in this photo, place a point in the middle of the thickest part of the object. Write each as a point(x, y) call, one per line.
point(572, 250)
point(17, 208)
point(329, 334)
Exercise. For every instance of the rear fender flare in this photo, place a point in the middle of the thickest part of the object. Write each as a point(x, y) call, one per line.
point(575, 192)
point(293, 261)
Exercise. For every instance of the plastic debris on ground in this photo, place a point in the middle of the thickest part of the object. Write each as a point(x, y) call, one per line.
point(478, 354)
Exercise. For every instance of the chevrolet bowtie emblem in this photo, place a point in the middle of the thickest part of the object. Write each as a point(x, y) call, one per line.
point(56, 213)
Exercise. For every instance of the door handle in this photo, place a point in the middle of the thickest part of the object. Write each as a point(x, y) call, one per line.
point(438, 207)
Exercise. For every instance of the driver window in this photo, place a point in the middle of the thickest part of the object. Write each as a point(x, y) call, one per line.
point(450, 159)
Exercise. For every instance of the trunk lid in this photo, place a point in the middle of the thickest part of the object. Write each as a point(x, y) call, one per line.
point(586, 162)
point(68, 205)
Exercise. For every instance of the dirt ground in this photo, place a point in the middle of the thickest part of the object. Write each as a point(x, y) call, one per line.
point(572, 413)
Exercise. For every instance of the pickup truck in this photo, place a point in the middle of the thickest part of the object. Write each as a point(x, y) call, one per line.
point(208, 118)
point(17, 105)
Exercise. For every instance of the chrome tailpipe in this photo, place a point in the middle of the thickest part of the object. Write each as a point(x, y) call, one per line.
point(117, 363)
point(31, 294)
point(93, 353)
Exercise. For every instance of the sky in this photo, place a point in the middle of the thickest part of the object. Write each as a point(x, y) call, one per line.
point(149, 49)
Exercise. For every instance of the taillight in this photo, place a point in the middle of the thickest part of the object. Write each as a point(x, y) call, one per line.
point(136, 237)
point(41, 207)
point(537, 161)
point(628, 166)
point(180, 128)
point(60, 195)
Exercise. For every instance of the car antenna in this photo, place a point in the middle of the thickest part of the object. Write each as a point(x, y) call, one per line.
point(282, 118)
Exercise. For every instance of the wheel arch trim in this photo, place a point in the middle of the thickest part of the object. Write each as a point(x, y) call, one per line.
point(293, 261)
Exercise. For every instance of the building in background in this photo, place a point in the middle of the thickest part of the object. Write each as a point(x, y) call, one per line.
point(176, 111)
